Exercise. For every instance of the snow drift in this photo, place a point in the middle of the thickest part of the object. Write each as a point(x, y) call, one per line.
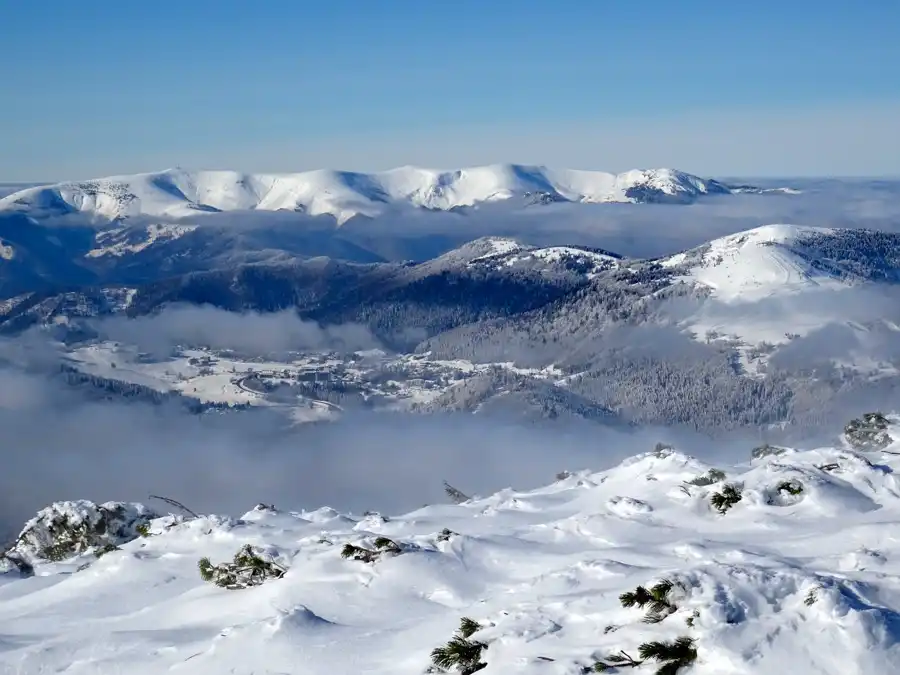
point(798, 574)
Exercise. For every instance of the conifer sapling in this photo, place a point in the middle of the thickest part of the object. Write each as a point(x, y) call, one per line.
point(460, 652)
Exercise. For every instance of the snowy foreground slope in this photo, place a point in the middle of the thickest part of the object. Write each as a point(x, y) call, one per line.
point(801, 576)
point(179, 194)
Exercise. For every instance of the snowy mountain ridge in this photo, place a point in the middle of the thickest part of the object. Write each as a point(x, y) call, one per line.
point(779, 560)
point(178, 194)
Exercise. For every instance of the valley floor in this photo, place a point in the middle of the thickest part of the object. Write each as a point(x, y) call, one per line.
point(296, 384)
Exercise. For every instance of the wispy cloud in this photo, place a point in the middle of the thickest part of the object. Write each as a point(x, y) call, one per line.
point(248, 332)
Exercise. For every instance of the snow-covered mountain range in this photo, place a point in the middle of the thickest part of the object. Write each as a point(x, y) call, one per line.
point(781, 321)
point(777, 560)
point(177, 194)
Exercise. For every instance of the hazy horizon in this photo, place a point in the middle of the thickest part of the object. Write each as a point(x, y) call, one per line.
point(762, 90)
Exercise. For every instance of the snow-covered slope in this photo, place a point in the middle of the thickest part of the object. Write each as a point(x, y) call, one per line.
point(801, 575)
point(756, 263)
point(776, 282)
point(178, 194)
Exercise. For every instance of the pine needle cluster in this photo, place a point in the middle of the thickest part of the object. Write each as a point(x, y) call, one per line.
point(383, 546)
point(673, 656)
point(656, 599)
point(246, 569)
point(726, 498)
point(460, 652)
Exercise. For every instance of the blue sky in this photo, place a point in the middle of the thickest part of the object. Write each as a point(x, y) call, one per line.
point(760, 88)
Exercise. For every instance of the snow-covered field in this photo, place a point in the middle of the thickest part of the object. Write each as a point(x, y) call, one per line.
point(805, 583)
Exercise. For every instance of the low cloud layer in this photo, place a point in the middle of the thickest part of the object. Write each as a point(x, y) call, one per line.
point(249, 332)
point(60, 446)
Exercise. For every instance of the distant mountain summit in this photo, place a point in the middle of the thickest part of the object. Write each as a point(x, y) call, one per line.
point(177, 194)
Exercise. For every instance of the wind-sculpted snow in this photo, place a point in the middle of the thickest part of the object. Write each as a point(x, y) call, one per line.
point(800, 574)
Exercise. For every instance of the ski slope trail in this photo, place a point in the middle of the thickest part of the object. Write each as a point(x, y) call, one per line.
point(803, 579)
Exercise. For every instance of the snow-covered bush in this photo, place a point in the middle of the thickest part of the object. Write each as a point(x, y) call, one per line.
point(446, 534)
point(726, 498)
point(248, 568)
point(868, 433)
point(792, 487)
point(383, 546)
point(709, 478)
point(65, 529)
point(766, 450)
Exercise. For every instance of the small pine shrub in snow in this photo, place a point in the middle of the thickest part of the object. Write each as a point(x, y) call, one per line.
point(709, 478)
point(461, 653)
point(791, 487)
point(766, 450)
point(247, 569)
point(811, 597)
point(376, 517)
point(662, 450)
point(65, 529)
point(692, 618)
point(106, 548)
point(658, 597)
point(445, 534)
point(457, 496)
point(383, 546)
point(868, 433)
point(726, 498)
point(359, 553)
point(621, 660)
point(672, 656)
